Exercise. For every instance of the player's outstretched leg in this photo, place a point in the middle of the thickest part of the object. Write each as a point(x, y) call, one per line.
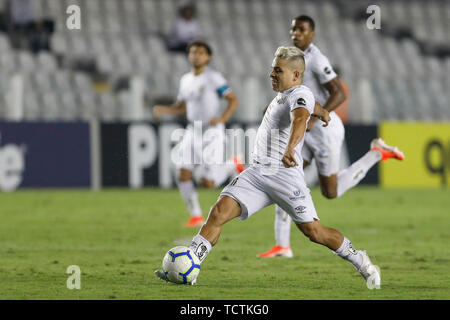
point(225, 209)
point(282, 236)
point(351, 176)
point(342, 247)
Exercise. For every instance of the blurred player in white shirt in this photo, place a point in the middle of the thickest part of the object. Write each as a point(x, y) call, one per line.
point(324, 144)
point(204, 139)
point(277, 171)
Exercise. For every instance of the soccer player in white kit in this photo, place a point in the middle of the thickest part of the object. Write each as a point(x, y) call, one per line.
point(277, 172)
point(324, 143)
point(204, 138)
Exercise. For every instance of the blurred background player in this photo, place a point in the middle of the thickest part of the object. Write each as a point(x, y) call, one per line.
point(199, 97)
point(323, 144)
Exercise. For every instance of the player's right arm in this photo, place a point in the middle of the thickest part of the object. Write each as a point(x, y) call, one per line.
point(298, 127)
point(176, 109)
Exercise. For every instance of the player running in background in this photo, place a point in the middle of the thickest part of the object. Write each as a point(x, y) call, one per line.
point(277, 172)
point(199, 97)
point(324, 144)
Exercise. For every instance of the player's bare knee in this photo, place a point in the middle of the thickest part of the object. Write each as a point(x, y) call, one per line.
point(328, 186)
point(208, 183)
point(329, 193)
point(185, 175)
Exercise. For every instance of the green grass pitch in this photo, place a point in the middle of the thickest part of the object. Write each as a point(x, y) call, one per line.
point(119, 237)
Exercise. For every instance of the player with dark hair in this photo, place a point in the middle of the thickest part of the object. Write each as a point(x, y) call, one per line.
point(199, 97)
point(324, 144)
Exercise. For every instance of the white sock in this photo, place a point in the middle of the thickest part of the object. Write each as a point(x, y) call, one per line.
point(347, 252)
point(201, 247)
point(351, 176)
point(190, 197)
point(282, 227)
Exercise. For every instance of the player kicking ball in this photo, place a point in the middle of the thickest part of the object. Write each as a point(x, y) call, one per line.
point(276, 171)
point(324, 144)
point(199, 97)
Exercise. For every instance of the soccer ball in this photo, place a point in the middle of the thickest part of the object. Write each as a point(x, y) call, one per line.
point(181, 265)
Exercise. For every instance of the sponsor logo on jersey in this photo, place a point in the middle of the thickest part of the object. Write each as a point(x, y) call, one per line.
point(282, 100)
point(301, 102)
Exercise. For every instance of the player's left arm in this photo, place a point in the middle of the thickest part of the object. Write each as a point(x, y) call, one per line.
point(298, 127)
point(231, 108)
point(321, 113)
point(337, 94)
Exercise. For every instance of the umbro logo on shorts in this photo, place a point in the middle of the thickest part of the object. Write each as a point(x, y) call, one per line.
point(300, 209)
point(327, 70)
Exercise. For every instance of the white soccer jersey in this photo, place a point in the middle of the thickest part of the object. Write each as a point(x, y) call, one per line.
point(273, 134)
point(318, 71)
point(202, 94)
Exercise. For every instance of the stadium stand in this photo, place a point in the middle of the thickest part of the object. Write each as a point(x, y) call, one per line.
point(399, 72)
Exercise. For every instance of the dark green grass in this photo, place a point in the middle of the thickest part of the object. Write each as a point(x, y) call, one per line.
point(118, 238)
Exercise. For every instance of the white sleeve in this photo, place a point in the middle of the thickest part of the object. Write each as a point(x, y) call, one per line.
point(302, 99)
point(181, 96)
point(220, 85)
point(322, 68)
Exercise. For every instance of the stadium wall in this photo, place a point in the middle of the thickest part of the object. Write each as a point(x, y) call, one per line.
point(45, 155)
point(138, 154)
point(427, 154)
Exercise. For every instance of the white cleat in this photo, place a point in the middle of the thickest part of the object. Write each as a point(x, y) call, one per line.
point(370, 272)
point(161, 275)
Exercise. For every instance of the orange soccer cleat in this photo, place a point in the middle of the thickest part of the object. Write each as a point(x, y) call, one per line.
point(194, 222)
point(238, 165)
point(386, 151)
point(277, 251)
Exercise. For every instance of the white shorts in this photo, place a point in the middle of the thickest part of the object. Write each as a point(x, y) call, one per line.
point(204, 148)
point(287, 188)
point(324, 144)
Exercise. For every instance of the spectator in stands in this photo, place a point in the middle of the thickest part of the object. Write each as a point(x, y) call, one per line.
point(25, 30)
point(21, 22)
point(185, 29)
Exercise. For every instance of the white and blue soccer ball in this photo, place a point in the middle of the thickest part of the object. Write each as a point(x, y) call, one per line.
point(181, 265)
